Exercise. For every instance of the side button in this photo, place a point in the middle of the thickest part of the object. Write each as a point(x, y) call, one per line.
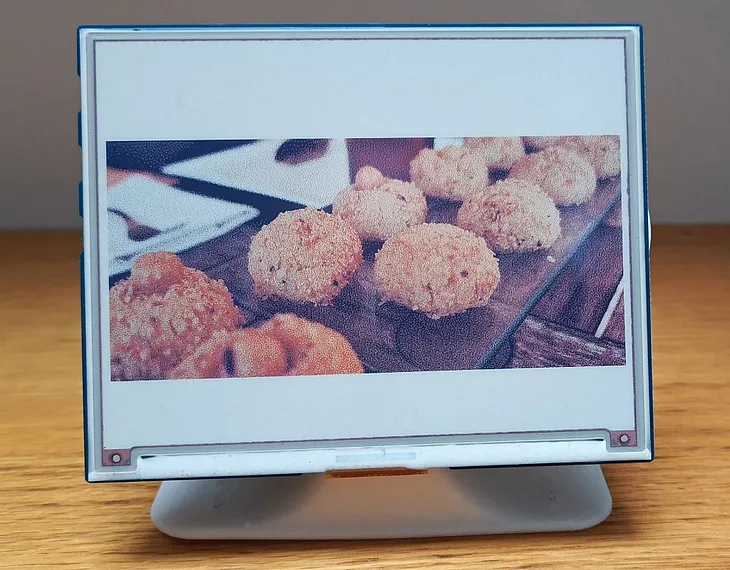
point(81, 199)
point(78, 122)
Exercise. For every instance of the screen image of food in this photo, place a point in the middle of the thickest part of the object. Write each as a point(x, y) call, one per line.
point(299, 257)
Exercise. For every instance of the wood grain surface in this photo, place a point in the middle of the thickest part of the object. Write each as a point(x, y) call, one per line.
point(541, 344)
point(672, 513)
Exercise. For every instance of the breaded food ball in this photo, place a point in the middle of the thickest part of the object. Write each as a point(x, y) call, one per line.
point(311, 347)
point(500, 153)
point(238, 354)
point(451, 173)
point(379, 207)
point(512, 216)
point(602, 151)
point(437, 269)
point(304, 255)
point(539, 143)
point(565, 176)
point(161, 314)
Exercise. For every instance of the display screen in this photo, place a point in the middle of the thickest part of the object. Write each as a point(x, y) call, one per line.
point(364, 239)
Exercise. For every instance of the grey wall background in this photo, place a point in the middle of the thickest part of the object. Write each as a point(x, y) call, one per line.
point(687, 66)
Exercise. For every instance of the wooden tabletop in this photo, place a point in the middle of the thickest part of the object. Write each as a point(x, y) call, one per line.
point(672, 513)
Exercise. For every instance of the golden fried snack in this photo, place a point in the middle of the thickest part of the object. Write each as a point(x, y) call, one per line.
point(240, 354)
point(601, 151)
point(161, 314)
point(312, 348)
point(451, 173)
point(379, 207)
point(512, 216)
point(304, 255)
point(561, 173)
point(499, 153)
point(437, 269)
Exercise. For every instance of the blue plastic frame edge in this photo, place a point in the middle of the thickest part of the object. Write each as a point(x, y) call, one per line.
point(647, 244)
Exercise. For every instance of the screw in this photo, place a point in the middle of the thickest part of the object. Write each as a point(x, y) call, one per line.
point(624, 438)
point(116, 458)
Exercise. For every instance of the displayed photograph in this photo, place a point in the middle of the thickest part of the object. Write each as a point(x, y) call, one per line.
point(300, 257)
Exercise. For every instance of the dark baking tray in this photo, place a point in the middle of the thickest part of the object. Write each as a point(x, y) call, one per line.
point(387, 337)
point(390, 338)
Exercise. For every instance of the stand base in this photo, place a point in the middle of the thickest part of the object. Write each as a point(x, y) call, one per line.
point(438, 503)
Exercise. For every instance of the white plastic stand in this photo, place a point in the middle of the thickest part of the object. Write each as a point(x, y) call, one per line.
point(438, 503)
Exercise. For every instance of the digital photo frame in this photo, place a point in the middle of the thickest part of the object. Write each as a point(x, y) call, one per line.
point(314, 252)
